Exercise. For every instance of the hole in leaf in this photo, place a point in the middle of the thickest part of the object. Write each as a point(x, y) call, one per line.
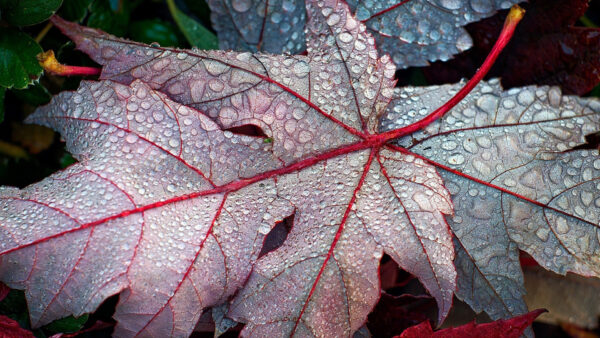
point(394, 314)
point(592, 141)
point(104, 312)
point(277, 235)
point(248, 130)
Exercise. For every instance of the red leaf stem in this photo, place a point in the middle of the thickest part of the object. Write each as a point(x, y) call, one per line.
point(48, 61)
point(514, 16)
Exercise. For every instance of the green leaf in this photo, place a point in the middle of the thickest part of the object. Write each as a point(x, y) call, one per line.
point(74, 10)
point(66, 160)
point(196, 34)
point(14, 305)
point(67, 325)
point(2, 93)
point(35, 95)
point(103, 16)
point(155, 30)
point(18, 63)
point(28, 12)
point(200, 9)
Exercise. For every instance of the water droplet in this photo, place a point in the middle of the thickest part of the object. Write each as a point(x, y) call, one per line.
point(456, 159)
point(301, 69)
point(586, 198)
point(482, 6)
point(554, 96)
point(131, 138)
point(509, 182)
point(449, 145)
point(241, 5)
point(333, 19)
point(488, 103)
point(451, 4)
point(561, 226)
point(216, 85)
point(345, 37)
point(525, 97)
point(484, 141)
point(542, 234)
point(264, 228)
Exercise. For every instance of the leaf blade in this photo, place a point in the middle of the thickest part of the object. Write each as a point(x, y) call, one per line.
point(513, 327)
point(19, 66)
point(28, 12)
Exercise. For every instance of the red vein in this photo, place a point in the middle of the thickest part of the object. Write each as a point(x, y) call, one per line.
point(414, 227)
point(351, 84)
point(391, 8)
point(189, 269)
point(483, 276)
point(262, 28)
point(337, 237)
point(178, 157)
point(503, 125)
point(204, 57)
point(487, 184)
point(293, 93)
point(226, 188)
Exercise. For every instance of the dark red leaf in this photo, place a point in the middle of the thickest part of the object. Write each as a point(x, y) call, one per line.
point(11, 329)
point(4, 290)
point(394, 314)
point(513, 327)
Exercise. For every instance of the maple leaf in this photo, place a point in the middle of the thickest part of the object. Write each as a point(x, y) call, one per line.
point(511, 328)
point(170, 208)
point(413, 32)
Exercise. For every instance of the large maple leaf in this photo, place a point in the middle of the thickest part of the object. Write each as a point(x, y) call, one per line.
point(413, 32)
point(171, 209)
